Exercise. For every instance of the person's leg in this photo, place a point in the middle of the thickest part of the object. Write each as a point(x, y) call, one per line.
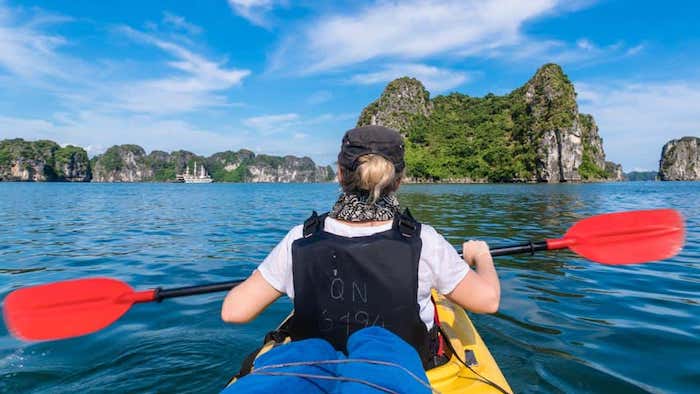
point(375, 343)
point(264, 377)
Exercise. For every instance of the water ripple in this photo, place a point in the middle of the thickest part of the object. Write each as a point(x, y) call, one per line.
point(565, 324)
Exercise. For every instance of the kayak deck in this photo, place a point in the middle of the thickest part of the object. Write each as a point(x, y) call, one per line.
point(466, 344)
point(454, 376)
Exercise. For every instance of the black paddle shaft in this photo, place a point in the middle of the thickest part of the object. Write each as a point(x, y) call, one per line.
point(161, 294)
point(527, 247)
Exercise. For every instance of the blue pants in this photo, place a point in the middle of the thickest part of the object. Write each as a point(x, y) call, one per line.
point(372, 343)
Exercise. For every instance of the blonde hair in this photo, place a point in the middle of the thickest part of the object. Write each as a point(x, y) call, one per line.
point(373, 174)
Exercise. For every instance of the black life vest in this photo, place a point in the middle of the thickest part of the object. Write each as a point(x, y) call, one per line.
point(343, 284)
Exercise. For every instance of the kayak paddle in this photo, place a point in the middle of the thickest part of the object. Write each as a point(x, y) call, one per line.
point(616, 238)
point(77, 307)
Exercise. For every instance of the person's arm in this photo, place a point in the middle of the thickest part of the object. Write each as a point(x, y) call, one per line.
point(272, 279)
point(245, 301)
point(480, 290)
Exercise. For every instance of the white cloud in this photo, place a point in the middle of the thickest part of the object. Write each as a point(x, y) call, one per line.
point(26, 50)
point(255, 11)
point(101, 102)
point(637, 118)
point(292, 124)
point(269, 124)
point(319, 97)
point(582, 52)
point(33, 55)
point(411, 30)
point(386, 33)
point(180, 23)
point(98, 131)
point(635, 49)
point(198, 83)
point(436, 80)
point(584, 44)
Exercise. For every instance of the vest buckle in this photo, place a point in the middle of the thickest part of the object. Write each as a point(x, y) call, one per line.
point(407, 228)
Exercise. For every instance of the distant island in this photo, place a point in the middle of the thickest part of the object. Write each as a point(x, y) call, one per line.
point(46, 161)
point(642, 176)
point(680, 160)
point(533, 134)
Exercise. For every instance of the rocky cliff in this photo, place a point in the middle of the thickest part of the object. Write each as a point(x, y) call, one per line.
point(167, 165)
point(129, 163)
point(535, 133)
point(680, 160)
point(550, 102)
point(401, 100)
point(230, 166)
point(122, 163)
point(245, 166)
point(614, 172)
point(42, 160)
point(72, 164)
point(287, 169)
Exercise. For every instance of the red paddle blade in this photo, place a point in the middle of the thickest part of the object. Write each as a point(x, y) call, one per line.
point(626, 237)
point(66, 309)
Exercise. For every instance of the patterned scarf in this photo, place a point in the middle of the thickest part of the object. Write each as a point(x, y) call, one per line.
point(355, 208)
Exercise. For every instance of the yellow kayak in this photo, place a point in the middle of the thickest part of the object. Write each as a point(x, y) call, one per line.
point(482, 375)
point(454, 376)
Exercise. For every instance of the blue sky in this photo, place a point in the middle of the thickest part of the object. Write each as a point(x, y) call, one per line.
point(286, 77)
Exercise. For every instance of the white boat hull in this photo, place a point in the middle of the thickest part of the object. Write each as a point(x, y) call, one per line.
point(198, 180)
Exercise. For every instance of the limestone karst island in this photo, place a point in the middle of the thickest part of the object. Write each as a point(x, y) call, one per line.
point(533, 134)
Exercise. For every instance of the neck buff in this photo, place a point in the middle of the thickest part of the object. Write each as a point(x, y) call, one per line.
point(352, 207)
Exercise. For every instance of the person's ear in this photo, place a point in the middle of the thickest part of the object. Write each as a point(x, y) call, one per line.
point(399, 179)
point(340, 174)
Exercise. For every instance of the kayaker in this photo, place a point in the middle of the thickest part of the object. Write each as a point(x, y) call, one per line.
point(365, 263)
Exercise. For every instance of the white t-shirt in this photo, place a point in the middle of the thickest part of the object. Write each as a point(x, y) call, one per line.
point(440, 266)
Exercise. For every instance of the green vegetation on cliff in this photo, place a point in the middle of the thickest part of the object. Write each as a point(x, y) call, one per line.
point(112, 160)
point(166, 166)
point(530, 134)
point(42, 160)
point(230, 166)
point(588, 169)
point(129, 163)
point(642, 176)
point(16, 149)
point(66, 158)
point(464, 137)
point(402, 98)
point(236, 175)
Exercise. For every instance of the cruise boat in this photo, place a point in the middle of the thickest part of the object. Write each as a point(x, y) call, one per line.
point(194, 177)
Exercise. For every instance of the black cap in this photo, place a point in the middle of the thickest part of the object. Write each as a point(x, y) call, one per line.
point(379, 140)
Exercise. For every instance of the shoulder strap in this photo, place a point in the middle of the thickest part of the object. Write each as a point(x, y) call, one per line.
point(314, 224)
point(407, 225)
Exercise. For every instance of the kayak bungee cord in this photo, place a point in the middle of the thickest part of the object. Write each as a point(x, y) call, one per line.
point(326, 377)
point(261, 371)
point(484, 379)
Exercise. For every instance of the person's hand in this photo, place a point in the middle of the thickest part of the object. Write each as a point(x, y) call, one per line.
point(473, 250)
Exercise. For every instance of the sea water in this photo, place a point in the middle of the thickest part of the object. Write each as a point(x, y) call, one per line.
point(564, 325)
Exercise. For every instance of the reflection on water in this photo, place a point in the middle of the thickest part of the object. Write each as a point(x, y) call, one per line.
point(565, 324)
